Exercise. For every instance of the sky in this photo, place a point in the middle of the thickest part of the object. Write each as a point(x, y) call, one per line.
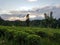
point(25, 4)
point(8, 6)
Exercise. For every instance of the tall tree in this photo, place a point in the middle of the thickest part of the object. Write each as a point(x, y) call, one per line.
point(27, 20)
point(51, 17)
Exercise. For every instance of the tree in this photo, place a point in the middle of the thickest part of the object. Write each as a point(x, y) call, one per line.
point(46, 21)
point(27, 20)
point(51, 20)
point(51, 17)
point(1, 21)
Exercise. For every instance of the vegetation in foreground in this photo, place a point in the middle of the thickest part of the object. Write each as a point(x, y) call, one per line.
point(11, 35)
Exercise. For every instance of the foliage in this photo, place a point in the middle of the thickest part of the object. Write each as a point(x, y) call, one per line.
point(29, 36)
point(42, 34)
point(33, 40)
point(48, 22)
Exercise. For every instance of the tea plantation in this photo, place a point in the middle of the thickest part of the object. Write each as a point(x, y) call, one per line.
point(12, 35)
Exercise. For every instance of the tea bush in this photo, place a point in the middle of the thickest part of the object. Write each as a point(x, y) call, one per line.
point(20, 37)
point(33, 40)
point(3, 32)
point(42, 34)
point(56, 37)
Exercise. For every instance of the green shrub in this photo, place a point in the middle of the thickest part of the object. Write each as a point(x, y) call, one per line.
point(30, 32)
point(2, 32)
point(21, 37)
point(9, 35)
point(56, 37)
point(41, 34)
point(33, 40)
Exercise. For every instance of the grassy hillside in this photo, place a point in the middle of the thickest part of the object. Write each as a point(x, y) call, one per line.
point(29, 36)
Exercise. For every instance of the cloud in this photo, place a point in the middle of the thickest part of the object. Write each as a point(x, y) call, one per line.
point(25, 8)
point(32, 0)
point(4, 12)
point(57, 5)
point(35, 13)
point(16, 18)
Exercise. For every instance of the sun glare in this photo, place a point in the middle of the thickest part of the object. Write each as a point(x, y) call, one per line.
point(32, 16)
